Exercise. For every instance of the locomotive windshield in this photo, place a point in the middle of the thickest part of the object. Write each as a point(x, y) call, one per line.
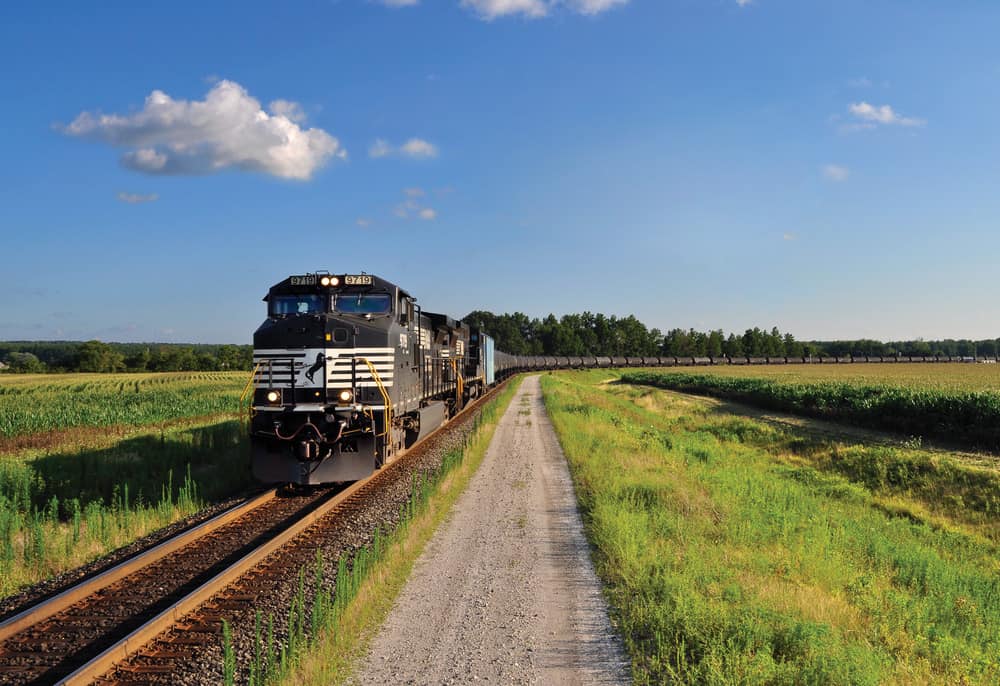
point(362, 303)
point(306, 303)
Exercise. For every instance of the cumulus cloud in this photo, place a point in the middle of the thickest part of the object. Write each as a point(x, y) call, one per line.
point(594, 6)
point(137, 198)
point(226, 130)
point(489, 10)
point(415, 147)
point(884, 114)
point(835, 172)
point(289, 109)
point(413, 206)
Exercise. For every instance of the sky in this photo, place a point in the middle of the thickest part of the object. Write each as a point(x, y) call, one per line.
point(827, 167)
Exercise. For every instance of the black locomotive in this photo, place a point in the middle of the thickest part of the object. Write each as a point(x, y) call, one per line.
point(349, 371)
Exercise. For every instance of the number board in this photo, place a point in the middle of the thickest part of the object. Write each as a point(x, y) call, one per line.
point(358, 280)
point(307, 280)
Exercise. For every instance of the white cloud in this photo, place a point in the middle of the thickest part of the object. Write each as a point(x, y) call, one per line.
point(415, 147)
point(380, 148)
point(289, 109)
point(399, 3)
point(489, 10)
point(836, 172)
point(594, 6)
point(137, 198)
point(226, 130)
point(413, 206)
point(363, 222)
point(884, 114)
point(744, 3)
point(789, 236)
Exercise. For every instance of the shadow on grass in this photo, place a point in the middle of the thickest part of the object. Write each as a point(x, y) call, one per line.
point(145, 467)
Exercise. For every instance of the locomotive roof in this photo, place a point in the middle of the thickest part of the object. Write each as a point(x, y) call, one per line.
point(300, 283)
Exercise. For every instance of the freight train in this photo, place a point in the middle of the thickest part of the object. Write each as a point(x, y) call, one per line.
point(349, 371)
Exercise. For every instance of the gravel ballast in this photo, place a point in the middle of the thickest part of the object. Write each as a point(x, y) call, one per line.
point(505, 591)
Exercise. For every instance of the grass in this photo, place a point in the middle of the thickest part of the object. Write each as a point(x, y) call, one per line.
point(737, 553)
point(962, 413)
point(332, 652)
point(64, 509)
point(39, 403)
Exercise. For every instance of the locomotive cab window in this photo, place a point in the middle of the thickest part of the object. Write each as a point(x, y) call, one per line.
point(307, 303)
point(362, 303)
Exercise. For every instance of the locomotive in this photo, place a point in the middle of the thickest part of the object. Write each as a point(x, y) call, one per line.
point(349, 371)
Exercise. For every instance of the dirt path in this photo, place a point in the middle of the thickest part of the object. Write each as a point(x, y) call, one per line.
point(505, 592)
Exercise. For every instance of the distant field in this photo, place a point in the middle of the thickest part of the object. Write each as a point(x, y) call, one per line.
point(937, 376)
point(956, 403)
point(36, 403)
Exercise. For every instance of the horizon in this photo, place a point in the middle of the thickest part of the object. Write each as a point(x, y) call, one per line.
point(826, 169)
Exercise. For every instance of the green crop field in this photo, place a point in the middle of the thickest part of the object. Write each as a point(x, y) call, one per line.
point(930, 376)
point(952, 402)
point(90, 462)
point(735, 551)
point(37, 403)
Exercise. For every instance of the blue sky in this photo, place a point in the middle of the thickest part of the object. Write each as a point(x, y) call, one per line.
point(830, 168)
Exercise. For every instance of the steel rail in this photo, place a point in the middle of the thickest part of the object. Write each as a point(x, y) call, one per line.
point(47, 608)
point(131, 644)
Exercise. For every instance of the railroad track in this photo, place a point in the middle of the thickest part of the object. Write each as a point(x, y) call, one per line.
point(139, 621)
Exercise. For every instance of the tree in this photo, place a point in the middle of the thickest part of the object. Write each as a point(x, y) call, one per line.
point(24, 363)
point(95, 356)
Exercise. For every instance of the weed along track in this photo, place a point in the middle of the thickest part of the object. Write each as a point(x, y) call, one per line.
point(159, 620)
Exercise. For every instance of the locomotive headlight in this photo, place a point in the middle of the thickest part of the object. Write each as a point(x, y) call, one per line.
point(345, 396)
point(272, 396)
point(324, 281)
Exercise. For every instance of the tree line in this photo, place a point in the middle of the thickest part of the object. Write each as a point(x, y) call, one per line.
point(585, 334)
point(604, 336)
point(97, 356)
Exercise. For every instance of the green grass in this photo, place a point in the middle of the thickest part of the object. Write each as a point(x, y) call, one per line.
point(63, 509)
point(970, 417)
point(734, 553)
point(38, 403)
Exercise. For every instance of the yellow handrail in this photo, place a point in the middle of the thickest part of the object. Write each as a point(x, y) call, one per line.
point(385, 395)
point(253, 375)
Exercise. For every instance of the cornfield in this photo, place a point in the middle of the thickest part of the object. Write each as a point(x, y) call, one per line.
point(954, 413)
point(32, 404)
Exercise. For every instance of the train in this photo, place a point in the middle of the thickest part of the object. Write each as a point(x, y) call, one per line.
point(349, 372)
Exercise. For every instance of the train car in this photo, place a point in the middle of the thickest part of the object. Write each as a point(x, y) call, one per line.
point(349, 371)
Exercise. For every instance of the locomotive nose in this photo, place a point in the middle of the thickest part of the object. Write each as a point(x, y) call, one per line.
point(294, 331)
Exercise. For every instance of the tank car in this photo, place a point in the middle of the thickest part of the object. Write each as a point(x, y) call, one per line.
point(349, 371)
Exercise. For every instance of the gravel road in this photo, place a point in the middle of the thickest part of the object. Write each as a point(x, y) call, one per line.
point(505, 592)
